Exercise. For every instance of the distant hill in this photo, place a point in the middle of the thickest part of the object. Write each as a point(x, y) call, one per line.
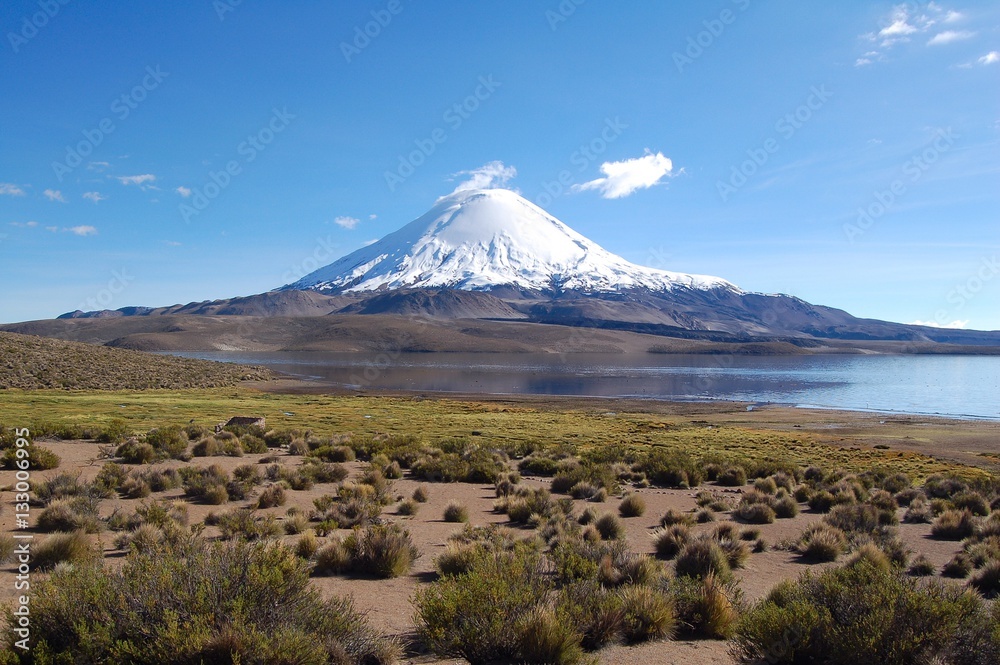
point(34, 362)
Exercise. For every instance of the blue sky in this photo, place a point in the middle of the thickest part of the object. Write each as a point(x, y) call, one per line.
point(846, 153)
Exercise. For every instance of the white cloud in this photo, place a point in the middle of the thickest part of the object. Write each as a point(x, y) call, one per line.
point(487, 176)
point(347, 222)
point(52, 229)
point(183, 191)
point(82, 230)
point(949, 36)
point(625, 177)
point(96, 197)
point(990, 58)
point(171, 243)
point(140, 180)
point(54, 195)
point(10, 189)
point(934, 324)
point(861, 62)
point(953, 16)
point(373, 216)
point(98, 166)
point(370, 242)
point(25, 225)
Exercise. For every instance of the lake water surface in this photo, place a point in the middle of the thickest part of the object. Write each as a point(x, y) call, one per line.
point(954, 386)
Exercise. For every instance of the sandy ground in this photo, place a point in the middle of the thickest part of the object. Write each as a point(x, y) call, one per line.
point(388, 602)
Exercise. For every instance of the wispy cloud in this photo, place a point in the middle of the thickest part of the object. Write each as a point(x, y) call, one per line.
point(54, 195)
point(82, 230)
point(491, 175)
point(949, 36)
point(990, 58)
point(172, 243)
point(347, 222)
point(96, 197)
point(909, 21)
point(10, 189)
point(183, 191)
point(25, 225)
point(934, 324)
point(98, 166)
point(626, 177)
point(142, 181)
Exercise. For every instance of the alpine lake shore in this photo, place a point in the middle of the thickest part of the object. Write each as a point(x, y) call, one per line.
point(648, 530)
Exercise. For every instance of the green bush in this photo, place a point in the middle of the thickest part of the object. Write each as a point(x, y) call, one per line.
point(822, 542)
point(671, 469)
point(861, 613)
point(734, 476)
point(755, 513)
point(669, 541)
point(545, 638)
point(70, 515)
point(204, 603)
point(421, 494)
point(610, 527)
point(169, 442)
point(478, 615)
point(39, 458)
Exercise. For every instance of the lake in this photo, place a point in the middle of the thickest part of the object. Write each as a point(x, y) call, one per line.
point(953, 386)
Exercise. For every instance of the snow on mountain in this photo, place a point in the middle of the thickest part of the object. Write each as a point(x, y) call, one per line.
point(478, 239)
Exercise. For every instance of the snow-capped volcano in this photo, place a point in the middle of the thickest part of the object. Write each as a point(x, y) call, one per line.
point(480, 239)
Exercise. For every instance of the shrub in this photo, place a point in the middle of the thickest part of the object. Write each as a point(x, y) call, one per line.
point(785, 507)
point(954, 525)
point(701, 557)
point(244, 523)
point(755, 513)
point(671, 469)
point(168, 442)
point(765, 485)
point(298, 447)
point(420, 495)
point(477, 615)
point(306, 545)
point(959, 566)
point(669, 541)
point(272, 496)
point(226, 593)
point(734, 476)
point(544, 638)
point(409, 507)
point(704, 516)
point(859, 518)
point(332, 558)
point(986, 580)
point(456, 512)
point(610, 527)
point(672, 517)
point(862, 613)
point(206, 447)
point(632, 505)
point(921, 567)
point(62, 548)
point(971, 501)
point(133, 452)
point(919, 512)
point(648, 614)
point(70, 515)
point(296, 523)
point(110, 477)
point(822, 542)
point(382, 550)
point(705, 607)
point(7, 547)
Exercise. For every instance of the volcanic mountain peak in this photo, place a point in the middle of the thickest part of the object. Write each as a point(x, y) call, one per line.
point(479, 239)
